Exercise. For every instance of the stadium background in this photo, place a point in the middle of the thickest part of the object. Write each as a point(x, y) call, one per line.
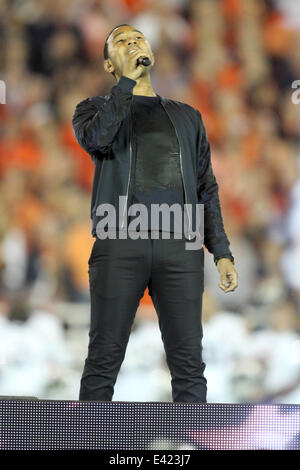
point(233, 60)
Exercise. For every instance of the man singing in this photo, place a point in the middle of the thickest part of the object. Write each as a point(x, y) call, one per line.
point(147, 150)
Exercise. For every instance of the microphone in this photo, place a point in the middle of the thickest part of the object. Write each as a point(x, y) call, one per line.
point(144, 61)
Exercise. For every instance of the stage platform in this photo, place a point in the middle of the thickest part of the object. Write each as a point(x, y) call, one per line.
point(33, 424)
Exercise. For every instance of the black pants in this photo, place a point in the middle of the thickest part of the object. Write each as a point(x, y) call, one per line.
point(120, 270)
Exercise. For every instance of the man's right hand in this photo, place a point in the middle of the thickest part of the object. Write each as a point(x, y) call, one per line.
point(131, 70)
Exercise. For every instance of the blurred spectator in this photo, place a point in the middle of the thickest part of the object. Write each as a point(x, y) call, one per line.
point(33, 351)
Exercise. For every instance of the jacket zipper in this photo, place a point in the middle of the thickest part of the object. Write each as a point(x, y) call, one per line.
point(180, 167)
point(125, 206)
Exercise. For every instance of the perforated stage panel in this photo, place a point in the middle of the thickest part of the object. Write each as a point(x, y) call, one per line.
point(49, 425)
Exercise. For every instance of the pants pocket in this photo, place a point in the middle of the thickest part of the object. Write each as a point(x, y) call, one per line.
point(103, 282)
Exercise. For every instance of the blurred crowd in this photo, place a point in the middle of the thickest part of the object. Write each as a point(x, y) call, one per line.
point(233, 60)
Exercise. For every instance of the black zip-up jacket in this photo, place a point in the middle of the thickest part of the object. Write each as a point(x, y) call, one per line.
point(103, 127)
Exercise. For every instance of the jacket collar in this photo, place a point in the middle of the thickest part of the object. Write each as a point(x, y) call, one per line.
point(162, 98)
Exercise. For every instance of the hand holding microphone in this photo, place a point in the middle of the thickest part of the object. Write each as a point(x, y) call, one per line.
point(134, 67)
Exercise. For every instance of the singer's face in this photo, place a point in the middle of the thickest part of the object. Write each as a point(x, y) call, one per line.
point(121, 42)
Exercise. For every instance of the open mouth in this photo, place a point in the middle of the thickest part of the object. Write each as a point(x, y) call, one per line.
point(132, 51)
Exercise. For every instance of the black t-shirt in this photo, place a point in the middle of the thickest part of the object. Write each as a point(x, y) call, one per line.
point(156, 172)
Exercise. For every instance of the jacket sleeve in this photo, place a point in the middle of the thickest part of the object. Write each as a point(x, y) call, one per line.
point(96, 122)
point(215, 238)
